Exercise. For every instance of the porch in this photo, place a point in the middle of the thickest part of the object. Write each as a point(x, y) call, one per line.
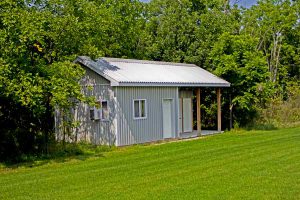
point(194, 133)
point(190, 113)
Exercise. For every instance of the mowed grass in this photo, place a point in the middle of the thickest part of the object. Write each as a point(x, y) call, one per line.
point(233, 165)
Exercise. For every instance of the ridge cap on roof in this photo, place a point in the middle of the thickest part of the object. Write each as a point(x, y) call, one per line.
point(103, 67)
point(109, 59)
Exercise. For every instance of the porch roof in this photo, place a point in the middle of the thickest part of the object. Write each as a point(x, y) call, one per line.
point(129, 72)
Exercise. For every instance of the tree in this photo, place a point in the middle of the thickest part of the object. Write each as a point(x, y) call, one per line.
point(235, 58)
point(271, 22)
point(39, 41)
point(35, 72)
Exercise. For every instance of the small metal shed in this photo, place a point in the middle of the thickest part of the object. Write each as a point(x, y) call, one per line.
point(141, 101)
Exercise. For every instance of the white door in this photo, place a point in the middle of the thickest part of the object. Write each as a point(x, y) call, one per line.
point(167, 118)
point(187, 114)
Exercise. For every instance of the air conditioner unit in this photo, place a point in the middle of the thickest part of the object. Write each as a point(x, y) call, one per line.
point(97, 113)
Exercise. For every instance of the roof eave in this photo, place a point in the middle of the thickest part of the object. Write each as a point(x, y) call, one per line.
point(87, 61)
point(127, 84)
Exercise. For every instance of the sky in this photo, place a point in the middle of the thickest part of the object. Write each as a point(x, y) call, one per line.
point(244, 3)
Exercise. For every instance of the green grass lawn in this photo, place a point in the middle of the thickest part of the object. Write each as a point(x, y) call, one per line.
point(233, 165)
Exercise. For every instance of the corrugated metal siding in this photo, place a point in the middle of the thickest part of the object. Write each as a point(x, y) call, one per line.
point(97, 131)
point(131, 131)
point(91, 78)
point(185, 94)
point(94, 131)
point(134, 72)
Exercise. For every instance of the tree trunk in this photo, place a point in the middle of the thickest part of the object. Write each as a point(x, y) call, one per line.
point(230, 112)
point(275, 56)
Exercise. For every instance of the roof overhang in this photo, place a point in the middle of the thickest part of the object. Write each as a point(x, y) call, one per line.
point(92, 65)
point(87, 62)
point(140, 84)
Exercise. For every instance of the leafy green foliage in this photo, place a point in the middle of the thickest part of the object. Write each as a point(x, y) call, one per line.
point(282, 113)
point(255, 49)
point(235, 58)
point(271, 22)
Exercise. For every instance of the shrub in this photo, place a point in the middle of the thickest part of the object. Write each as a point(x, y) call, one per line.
point(279, 112)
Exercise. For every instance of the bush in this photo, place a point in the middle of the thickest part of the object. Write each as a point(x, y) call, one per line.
point(281, 113)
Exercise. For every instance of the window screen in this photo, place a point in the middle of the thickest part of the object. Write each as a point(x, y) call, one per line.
point(136, 109)
point(143, 111)
point(139, 108)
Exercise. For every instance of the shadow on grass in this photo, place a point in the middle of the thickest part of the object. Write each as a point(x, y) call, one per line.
point(70, 152)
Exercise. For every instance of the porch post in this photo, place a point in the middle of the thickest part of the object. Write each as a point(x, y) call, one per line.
point(219, 108)
point(198, 112)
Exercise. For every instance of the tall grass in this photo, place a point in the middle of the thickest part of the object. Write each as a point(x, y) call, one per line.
point(281, 113)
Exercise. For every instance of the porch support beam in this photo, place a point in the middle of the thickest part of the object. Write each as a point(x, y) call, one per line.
point(219, 108)
point(198, 112)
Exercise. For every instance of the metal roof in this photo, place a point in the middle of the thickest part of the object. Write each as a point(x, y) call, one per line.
point(129, 72)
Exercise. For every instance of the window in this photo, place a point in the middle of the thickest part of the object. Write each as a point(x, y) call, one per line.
point(105, 113)
point(100, 111)
point(139, 109)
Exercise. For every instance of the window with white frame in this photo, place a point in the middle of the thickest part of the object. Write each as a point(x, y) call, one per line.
point(140, 109)
point(100, 111)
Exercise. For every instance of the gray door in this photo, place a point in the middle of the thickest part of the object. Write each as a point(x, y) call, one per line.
point(187, 114)
point(167, 118)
